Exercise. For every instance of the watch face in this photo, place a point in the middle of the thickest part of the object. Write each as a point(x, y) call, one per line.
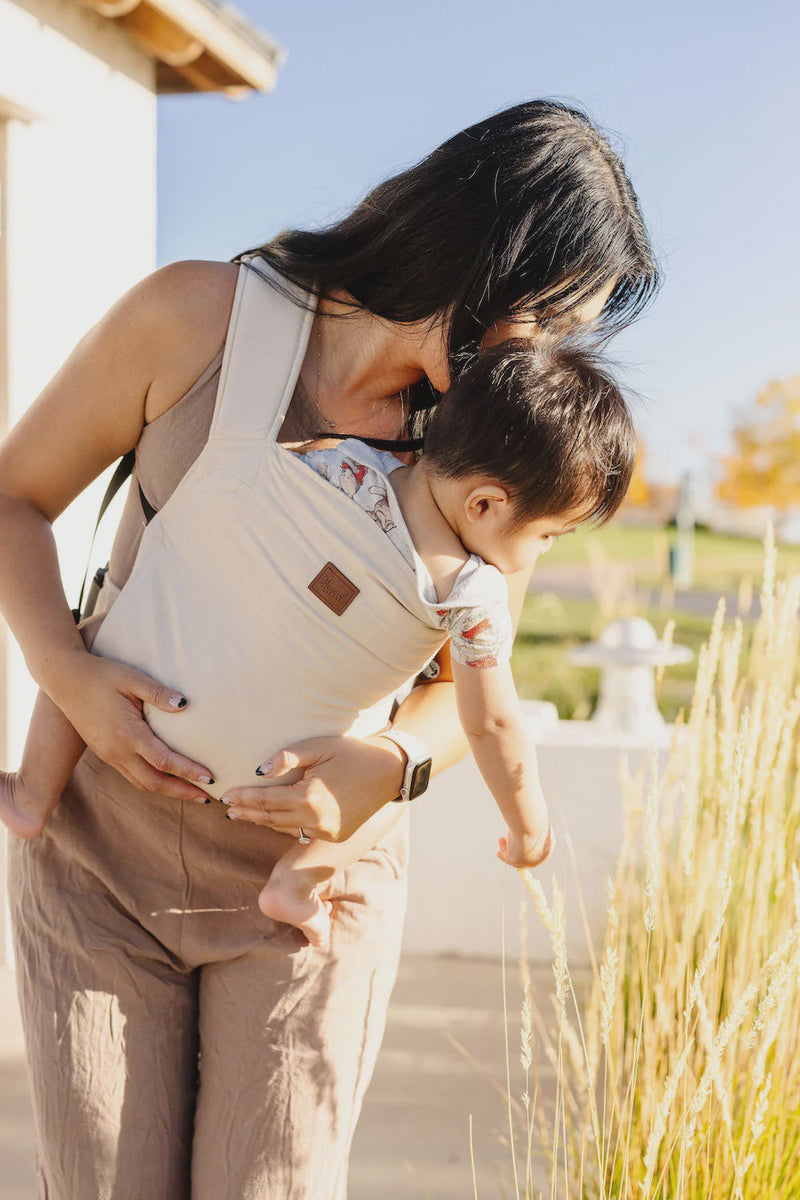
point(421, 778)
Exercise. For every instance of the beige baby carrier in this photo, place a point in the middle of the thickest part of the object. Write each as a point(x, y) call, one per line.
point(266, 595)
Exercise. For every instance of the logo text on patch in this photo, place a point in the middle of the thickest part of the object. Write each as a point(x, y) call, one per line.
point(333, 588)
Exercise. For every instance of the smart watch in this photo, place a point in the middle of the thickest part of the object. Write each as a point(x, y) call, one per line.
point(417, 774)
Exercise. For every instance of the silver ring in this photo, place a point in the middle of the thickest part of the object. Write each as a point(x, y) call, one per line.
point(304, 839)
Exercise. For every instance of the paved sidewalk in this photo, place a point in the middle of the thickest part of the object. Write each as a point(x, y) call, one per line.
point(572, 581)
point(443, 1059)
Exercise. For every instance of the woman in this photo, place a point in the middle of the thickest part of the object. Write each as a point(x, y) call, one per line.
point(138, 938)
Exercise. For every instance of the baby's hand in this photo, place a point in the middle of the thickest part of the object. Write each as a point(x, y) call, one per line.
point(526, 850)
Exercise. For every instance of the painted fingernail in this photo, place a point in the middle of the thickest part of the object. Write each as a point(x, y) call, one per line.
point(265, 768)
point(226, 800)
point(231, 815)
point(176, 700)
point(204, 779)
point(202, 800)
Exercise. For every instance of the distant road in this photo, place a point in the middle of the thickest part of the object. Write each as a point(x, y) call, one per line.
point(701, 603)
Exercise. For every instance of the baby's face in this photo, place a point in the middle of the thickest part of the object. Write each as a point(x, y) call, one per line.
point(512, 550)
point(481, 512)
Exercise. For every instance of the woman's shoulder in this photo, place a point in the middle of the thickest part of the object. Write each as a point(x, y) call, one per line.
point(190, 304)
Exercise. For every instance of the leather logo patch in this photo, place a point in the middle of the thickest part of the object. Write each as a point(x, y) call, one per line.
point(333, 588)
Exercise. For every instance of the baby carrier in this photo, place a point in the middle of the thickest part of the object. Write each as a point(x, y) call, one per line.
point(275, 604)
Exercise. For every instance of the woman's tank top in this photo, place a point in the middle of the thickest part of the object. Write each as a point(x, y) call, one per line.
point(166, 449)
point(273, 602)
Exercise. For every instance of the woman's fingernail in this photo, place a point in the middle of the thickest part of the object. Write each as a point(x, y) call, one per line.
point(204, 779)
point(265, 768)
point(202, 800)
point(226, 800)
point(231, 815)
point(176, 700)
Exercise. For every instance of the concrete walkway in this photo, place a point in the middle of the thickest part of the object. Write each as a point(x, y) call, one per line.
point(443, 1059)
point(572, 581)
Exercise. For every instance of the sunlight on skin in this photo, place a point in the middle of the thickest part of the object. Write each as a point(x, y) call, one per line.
point(433, 360)
point(587, 312)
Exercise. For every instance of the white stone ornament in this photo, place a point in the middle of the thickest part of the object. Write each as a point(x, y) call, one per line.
point(629, 651)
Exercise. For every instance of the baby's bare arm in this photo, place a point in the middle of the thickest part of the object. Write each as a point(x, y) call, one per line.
point(491, 716)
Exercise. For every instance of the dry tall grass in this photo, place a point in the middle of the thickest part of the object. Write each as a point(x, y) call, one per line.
point(682, 1079)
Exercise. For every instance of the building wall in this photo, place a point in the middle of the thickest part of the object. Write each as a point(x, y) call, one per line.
point(3, 400)
point(79, 109)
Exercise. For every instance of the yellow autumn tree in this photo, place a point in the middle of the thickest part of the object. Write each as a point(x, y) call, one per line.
point(638, 494)
point(764, 467)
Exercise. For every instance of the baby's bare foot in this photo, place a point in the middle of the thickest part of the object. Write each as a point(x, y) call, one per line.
point(22, 810)
point(309, 914)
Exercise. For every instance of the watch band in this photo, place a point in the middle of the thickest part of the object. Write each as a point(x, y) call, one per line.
point(418, 762)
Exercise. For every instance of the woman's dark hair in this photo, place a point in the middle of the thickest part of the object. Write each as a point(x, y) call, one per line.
point(546, 421)
point(529, 209)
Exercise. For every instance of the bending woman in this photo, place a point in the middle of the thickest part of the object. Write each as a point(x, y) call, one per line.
point(180, 1044)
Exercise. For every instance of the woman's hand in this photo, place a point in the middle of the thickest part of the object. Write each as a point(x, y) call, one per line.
point(103, 701)
point(345, 780)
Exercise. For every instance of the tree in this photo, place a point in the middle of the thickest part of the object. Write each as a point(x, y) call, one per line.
point(638, 494)
point(764, 467)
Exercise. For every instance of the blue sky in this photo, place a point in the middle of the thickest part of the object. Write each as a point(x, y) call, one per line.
point(703, 98)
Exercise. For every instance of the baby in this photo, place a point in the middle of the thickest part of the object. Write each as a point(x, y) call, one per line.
point(526, 445)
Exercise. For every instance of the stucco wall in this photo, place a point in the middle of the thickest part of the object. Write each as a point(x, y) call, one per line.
point(80, 219)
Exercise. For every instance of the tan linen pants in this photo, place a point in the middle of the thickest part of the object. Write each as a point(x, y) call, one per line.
point(181, 1045)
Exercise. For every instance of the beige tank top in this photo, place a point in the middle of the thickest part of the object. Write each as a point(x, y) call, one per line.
point(278, 606)
point(166, 449)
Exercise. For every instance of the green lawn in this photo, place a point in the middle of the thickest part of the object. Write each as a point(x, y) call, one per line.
point(551, 625)
point(721, 562)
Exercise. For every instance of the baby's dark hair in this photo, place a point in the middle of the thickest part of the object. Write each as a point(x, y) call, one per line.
point(546, 420)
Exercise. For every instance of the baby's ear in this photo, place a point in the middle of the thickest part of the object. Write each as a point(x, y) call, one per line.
point(481, 499)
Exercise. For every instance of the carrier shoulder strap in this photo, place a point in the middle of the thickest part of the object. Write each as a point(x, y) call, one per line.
point(122, 471)
point(247, 378)
point(264, 349)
